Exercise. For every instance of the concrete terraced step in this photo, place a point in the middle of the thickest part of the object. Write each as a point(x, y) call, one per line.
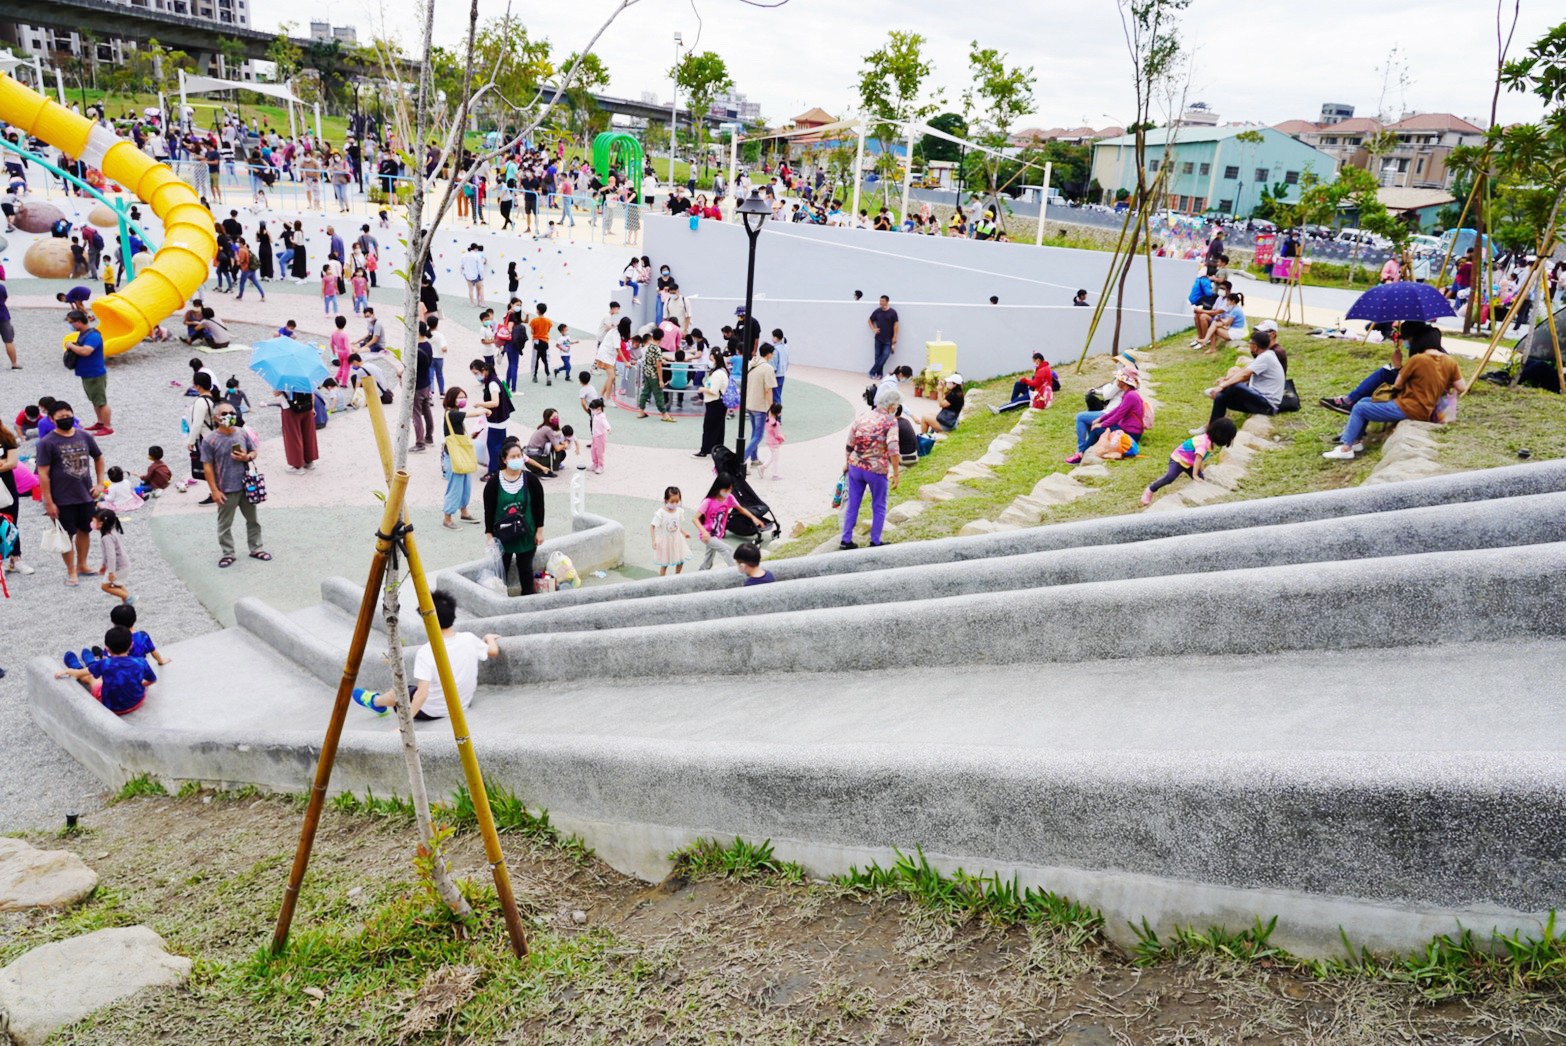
point(1313, 786)
point(1513, 481)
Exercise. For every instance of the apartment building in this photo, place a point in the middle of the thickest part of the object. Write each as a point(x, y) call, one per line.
point(1414, 157)
point(45, 42)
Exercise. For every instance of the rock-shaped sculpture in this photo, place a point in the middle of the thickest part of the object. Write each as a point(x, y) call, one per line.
point(103, 217)
point(48, 259)
point(37, 216)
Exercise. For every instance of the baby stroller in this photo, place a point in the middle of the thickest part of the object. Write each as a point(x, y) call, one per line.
point(725, 460)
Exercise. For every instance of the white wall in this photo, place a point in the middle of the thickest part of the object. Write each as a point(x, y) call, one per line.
point(806, 276)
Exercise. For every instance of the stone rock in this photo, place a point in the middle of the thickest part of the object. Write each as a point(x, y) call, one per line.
point(103, 217)
point(946, 490)
point(1171, 502)
point(1408, 468)
point(1259, 425)
point(969, 470)
point(1238, 456)
point(1001, 444)
point(38, 216)
point(993, 459)
point(1021, 513)
point(48, 259)
point(34, 878)
point(1200, 492)
point(829, 545)
point(1224, 474)
point(904, 511)
point(983, 526)
point(579, 917)
point(58, 984)
point(1099, 471)
point(1059, 486)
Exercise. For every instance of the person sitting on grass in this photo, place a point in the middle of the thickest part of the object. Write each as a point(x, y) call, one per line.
point(119, 681)
point(464, 651)
point(1038, 388)
point(1127, 416)
point(748, 559)
point(1191, 457)
point(1420, 384)
point(951, 402)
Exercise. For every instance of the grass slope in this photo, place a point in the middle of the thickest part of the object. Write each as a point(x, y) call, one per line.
point(1494, 424)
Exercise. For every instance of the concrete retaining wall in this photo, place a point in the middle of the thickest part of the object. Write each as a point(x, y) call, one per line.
point(1526, 520)
point(1422, 599)
point(1514, 481)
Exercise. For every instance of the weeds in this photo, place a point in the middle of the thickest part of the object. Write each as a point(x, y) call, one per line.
point(391, 808)
point(1250, 945)
point(965, 896)
point(189, 790)
point(710, 859)
point(513, 817)
point(140, 787)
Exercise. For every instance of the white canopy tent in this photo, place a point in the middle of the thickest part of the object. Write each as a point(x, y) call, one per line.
point(205, 84)
point(10, 62)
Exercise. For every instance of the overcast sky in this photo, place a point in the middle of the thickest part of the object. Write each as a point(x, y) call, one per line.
point(1266, 61)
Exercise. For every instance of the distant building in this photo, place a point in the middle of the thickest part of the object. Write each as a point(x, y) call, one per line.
point(1418, 155)
point(732, 105)
point(1198, 114)
point(1212, 170)
point(1335, 112)
point(326, 32)
point(46, 42)
point(1033, 137)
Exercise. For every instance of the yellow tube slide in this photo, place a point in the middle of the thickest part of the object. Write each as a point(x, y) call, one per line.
point(189, 236)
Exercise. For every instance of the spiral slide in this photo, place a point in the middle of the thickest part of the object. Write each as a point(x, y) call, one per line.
point(189, 236)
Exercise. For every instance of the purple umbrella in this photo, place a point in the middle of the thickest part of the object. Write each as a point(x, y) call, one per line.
point(1403, 300)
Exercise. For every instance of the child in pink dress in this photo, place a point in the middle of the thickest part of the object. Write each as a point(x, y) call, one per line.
point(773, 437)
point(601, 430)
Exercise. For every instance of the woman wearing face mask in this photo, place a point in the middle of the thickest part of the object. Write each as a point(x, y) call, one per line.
point(665, 282)
point(459, 485)
point(495, 400)
point(514, 516)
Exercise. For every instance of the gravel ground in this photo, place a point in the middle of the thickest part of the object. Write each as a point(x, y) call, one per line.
point(39, 782)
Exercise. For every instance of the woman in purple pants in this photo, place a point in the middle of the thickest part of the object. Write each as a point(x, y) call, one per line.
point(872, 463)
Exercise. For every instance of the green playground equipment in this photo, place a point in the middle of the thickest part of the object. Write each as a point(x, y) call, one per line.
point(613, 148)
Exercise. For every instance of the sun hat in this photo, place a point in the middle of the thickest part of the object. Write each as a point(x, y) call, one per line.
point(1129, 376)
point(1267, 325)
point(954, 379)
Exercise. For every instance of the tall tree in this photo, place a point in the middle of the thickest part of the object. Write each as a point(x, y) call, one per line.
point(939, 148)
point(515, 62)
point(703, 77)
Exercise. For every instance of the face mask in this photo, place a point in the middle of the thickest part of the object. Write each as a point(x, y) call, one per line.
point(462, 401)
point(554, 423)
point(64, 424)
point(513, 464)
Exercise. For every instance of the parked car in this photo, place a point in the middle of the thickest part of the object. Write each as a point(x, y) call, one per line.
point(1362, 238)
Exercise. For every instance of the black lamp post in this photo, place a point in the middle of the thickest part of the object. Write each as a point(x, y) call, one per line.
point(753, 213)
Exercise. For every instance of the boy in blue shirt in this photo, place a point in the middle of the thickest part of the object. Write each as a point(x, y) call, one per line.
point(142, 645)
point(119, 681)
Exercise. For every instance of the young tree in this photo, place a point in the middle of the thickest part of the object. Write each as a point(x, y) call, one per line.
point(891, 88)
point(285, 55)
point(515, 62)
point(429, 203)
point(703, 77)
point(999, 94)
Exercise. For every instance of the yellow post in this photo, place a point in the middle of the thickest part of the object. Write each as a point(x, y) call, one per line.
point(1499, 329)
point(448, 685)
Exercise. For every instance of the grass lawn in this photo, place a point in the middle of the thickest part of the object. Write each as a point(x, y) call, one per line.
point(1495, 424)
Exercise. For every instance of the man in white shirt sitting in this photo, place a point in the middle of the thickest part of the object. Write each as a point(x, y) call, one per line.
point(464, 651)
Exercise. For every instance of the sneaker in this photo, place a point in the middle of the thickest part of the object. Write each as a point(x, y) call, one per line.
point(1198, 430)
point(845, 546)
point(366, 699)
point(72, 661)
point(1147, 498)
point(99, 430)
point(206, 501)
point(1074, 459)
point(1337, 403)
point(1341, 452)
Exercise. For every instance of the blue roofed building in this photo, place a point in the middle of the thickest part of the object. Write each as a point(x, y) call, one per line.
point(1213, 171)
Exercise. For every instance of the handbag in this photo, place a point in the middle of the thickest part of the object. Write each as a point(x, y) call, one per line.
point(1291, 399)
point(55, 539)
point(255, 485)
point(459, 448)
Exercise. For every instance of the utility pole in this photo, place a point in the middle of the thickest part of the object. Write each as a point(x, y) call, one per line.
point(674, 106)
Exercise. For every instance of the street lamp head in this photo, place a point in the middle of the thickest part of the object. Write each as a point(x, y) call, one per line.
point(754, 212)
point(678, 39)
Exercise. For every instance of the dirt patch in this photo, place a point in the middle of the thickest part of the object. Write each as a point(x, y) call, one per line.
point(682, 961)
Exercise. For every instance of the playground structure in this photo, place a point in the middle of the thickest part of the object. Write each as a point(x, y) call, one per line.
point(180, 265)
point(613, 148)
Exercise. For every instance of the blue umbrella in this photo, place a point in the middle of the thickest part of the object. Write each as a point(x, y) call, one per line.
point(1403, 300)
point(288, 365)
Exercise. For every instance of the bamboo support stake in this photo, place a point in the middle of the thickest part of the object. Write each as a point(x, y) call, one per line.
point(1103, 298)
point(334, 727)
point(456, 714)
point(1499, 330)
